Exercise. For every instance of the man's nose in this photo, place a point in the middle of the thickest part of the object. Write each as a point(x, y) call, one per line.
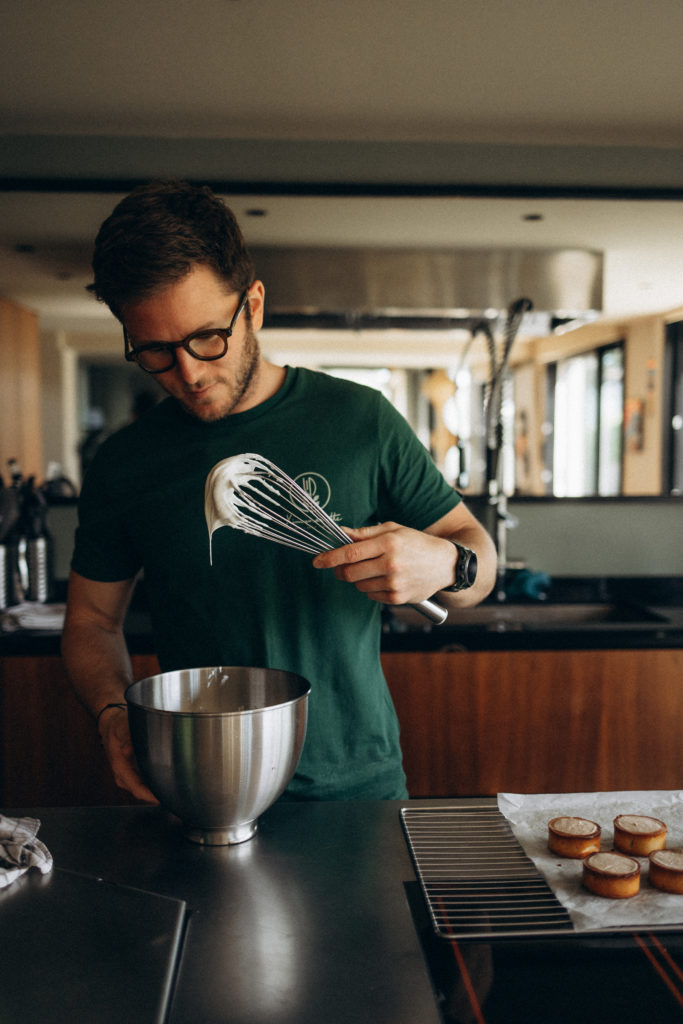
point(187, 367)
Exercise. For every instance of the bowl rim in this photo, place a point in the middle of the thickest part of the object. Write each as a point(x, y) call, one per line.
point(140, 706)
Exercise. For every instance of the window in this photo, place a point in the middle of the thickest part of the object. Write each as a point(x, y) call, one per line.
point(610, 420)
point(673, 411)
point(585, 408)
point(463, 415)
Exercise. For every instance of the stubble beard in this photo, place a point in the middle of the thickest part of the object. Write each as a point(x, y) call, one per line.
point(246, 375)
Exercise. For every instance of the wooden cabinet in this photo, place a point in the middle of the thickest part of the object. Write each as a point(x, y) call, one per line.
point(472, 724)
point(51, 754)
point(480, 723)
point(20, 389)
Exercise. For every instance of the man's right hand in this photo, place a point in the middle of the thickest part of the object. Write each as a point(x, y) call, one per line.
point(118, 746)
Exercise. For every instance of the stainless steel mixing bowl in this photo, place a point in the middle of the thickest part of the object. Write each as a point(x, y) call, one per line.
point(217, 746)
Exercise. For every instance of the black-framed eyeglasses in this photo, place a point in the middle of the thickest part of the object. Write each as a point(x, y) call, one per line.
point(159, 356)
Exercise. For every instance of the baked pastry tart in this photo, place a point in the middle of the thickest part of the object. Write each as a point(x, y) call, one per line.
point(638, 834)
point(573, 837)
point(612, 875)
point(666, 870)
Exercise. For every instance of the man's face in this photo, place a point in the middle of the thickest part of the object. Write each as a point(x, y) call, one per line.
point(207, 390)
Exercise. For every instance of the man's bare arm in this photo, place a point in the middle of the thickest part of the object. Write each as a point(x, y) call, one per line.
point(98, 666)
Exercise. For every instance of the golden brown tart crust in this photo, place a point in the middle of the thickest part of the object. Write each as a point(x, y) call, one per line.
point(639, 834)
point(573, 837)
point(612, 875)
point(666, 870)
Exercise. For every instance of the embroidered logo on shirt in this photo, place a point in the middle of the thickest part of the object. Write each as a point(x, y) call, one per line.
point(317, 488)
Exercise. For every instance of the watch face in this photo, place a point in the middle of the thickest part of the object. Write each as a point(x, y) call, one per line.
point(472, 569)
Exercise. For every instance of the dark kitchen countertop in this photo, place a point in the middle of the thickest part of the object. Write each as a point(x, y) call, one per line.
point(501, 634)
point(574, 613)
point(320, 918)
point(308, 922)
point(642, 612)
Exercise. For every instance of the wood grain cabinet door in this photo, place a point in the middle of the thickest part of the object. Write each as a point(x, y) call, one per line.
point(51, 754)
point(481, 723)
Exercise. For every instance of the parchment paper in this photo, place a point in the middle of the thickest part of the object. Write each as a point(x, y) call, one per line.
point(529, 816)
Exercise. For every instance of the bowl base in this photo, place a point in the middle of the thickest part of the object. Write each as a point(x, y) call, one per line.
point(226, 836)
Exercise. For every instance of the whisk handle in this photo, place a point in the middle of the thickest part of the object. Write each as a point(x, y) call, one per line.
point(436, 613)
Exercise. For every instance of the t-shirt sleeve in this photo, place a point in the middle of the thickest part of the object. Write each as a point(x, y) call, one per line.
point(103, 549)
point(412, 490)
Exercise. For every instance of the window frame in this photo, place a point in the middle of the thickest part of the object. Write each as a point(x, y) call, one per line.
point(550, 470)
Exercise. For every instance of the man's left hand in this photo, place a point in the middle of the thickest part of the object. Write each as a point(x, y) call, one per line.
point(392, 564)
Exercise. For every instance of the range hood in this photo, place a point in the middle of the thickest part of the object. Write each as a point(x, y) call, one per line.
point(429, 289)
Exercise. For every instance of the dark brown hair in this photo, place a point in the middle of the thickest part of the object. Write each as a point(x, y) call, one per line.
point(157, 234)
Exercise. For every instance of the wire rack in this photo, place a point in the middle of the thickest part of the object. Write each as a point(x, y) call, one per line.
point(475, 877)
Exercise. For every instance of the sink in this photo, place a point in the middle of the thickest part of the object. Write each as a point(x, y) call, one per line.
point(552, 616)
point(561, 616)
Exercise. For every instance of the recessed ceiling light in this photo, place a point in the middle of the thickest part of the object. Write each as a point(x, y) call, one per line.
point(532, 216)
point(256, 211)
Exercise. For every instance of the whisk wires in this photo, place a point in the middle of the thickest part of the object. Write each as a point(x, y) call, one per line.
point(269, 504)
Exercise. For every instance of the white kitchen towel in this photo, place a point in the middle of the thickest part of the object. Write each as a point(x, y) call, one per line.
point(20, 849)
point(33, 615)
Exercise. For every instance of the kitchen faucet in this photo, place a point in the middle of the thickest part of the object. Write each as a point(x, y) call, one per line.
point(497, 498)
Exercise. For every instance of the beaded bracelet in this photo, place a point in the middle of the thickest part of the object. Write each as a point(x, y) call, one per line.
point(105, 708)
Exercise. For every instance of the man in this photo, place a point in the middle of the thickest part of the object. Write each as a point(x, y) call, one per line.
point(172, 265)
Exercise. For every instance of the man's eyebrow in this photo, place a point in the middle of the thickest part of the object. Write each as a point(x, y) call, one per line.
point(157, 341)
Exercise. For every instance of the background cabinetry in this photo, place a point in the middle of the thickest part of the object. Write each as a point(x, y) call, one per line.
point(472, 724)
point(480, 723)
point(20, 389)
point(51, 754)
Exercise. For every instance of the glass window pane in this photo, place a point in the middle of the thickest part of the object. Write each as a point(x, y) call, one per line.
point(575, 433)
point(458, 418)
point(611, 421)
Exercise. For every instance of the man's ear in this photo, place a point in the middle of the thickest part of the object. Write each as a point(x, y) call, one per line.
point(256, 297)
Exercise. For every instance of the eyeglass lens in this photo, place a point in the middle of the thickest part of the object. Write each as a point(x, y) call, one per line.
point(205, 345)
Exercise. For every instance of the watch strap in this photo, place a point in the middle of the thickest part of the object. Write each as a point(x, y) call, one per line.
point(465, 569)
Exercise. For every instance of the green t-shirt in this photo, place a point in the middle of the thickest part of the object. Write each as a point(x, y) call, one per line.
point(261, 604)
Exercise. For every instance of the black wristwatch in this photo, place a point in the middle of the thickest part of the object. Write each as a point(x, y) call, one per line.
point(465, 570)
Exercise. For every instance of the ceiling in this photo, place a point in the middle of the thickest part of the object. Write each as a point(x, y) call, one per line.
point(439, 123)
point(533, 70)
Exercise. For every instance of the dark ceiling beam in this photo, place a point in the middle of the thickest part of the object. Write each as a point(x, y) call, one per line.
point(263, 166)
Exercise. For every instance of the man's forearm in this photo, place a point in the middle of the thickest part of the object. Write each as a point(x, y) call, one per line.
point(97, 664)
point(99, 669)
